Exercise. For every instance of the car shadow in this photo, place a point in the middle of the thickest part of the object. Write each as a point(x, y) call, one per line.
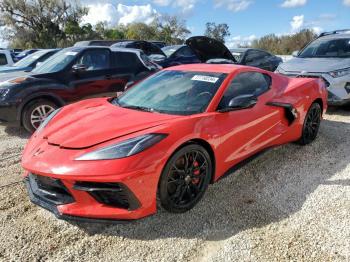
point(339, 110)
point(269, 189)
point(17, 132)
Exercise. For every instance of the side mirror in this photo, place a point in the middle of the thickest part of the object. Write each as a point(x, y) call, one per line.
point(78, 68)
point(241, 102)
point(128, 85)
point(295, 53)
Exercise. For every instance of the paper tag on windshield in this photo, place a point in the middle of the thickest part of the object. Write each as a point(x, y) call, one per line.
point(71, 53)
point(208, 79)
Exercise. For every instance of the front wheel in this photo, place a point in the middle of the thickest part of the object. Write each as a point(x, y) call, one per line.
point(36, 112)
point(311, 124)
point(185, 179)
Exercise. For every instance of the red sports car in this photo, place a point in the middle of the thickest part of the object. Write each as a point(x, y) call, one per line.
point(165, 139)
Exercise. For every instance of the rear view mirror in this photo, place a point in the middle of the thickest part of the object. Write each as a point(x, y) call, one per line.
point(78, 68)
point(295, 53)
point(240, 102)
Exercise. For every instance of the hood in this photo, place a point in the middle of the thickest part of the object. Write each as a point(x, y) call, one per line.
point(208, 48)
point(8, 69)
point(95, 121)
point(315, 65)
point(11, 75)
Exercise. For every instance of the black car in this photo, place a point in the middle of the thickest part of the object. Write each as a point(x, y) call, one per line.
point(96, 43)
point(257, 58)
point(70, 75)
point(147, 47)
point(197, 49)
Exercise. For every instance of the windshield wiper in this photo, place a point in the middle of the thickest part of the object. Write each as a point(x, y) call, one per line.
point(140, 108)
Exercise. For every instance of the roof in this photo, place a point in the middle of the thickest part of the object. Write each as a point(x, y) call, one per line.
point(214, 68)
point(122, 49)
point(336, 36)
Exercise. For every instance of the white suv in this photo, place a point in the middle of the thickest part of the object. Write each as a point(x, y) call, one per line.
point(5, 58)
point(327, 57)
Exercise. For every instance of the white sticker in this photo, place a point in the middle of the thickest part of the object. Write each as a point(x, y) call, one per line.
point(71, 53)
point(208, 79)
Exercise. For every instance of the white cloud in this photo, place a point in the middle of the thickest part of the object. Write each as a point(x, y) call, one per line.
point(240, 41)
point(233, 5)
point(184, 5)
point(346, 2)
point(293, 3)
point(297, 23)
point(119, 14)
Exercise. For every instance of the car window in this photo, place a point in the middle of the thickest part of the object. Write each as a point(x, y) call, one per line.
point(95, 59)
point(184, 51)
point(3, 60)
point(127, 60)
point(253, 55)
point(327, 48)
point(247, 83)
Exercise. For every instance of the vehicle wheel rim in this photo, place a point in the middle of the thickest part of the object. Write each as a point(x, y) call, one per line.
point(39, 114)
point(312, 124)
point(186, 178)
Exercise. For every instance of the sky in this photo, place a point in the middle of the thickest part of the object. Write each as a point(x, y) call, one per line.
point(247, 19)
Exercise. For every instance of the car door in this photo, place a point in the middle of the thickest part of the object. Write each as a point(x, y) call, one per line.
point(92, 74)
point(246, 131)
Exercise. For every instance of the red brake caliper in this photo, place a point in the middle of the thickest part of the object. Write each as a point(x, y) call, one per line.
point(196, 173)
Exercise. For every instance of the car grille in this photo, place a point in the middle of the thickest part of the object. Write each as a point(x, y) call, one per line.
point(49, 190)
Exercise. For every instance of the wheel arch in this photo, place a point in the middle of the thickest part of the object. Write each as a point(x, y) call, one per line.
point(47, 96)
point(320, 102)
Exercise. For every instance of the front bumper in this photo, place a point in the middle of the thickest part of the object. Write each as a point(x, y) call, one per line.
point(338, 88)
point(52, 197)
point(8, 114)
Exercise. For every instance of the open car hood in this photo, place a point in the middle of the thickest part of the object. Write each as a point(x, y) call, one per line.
point(208, 48)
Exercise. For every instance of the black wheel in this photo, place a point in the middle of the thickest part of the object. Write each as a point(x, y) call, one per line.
point(36, 112)
point(185, 179)
point(311, 124)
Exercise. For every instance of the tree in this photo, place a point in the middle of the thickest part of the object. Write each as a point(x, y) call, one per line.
point(141, 31)
point(218, 32)
point(171, 29)
point(41, 23)
point(285, 44)
point(116, 33)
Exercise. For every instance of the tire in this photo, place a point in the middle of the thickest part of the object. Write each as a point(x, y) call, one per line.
point(311, 124)
point(182, 185)
point(36, 112)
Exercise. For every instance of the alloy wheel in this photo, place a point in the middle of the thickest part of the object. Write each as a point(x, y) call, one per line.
point(39, 114)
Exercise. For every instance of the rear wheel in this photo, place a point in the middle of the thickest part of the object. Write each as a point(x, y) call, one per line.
point(36, 112)
point(311, 124)
point(185, 179)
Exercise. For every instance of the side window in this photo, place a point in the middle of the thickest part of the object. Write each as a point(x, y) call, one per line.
point(253, 56)
point(127, 60)
point(247, 83)
point(95, 59)
point(3, 60)
point(184, 51)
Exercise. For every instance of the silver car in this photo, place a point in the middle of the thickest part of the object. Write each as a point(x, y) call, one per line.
point(327, 57)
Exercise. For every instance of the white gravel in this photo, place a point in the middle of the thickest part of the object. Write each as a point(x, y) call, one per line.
point(290, 204)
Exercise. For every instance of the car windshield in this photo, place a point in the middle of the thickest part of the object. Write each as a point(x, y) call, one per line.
point(173, 92)
point(327, 48)
point(169, 50)
point(27, 61)
point(57, 62)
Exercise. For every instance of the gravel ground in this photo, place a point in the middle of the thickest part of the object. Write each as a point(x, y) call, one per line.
point(290, 204)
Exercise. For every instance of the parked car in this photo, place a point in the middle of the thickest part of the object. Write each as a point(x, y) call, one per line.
point(198, 49)
point(25, 53)
point(257, 58)
point(96, 43)
point(160, 44)
point(147, 47)
point(70, 75)
point(165, 139)
point(5, 58)
point(327, 57)
point(26, 64)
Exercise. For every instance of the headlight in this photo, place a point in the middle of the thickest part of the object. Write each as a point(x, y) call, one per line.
point(47, 120)
point(280, 70)
point(124, 149)
point(4, 92)
point(340, 73)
